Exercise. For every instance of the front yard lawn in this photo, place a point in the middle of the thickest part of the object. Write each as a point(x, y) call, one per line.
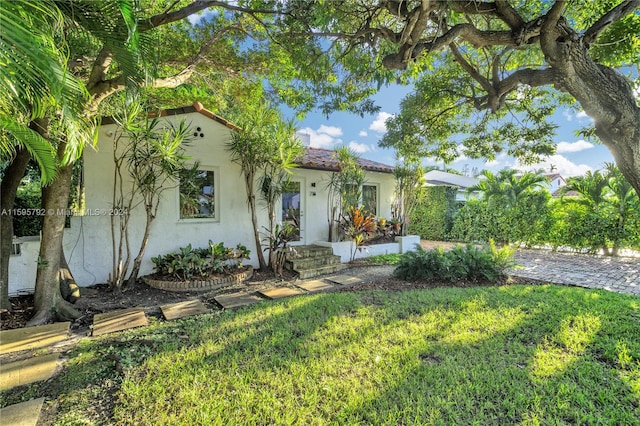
point(490, 355)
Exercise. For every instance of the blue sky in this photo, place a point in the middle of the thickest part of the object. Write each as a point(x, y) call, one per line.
point(574, 156)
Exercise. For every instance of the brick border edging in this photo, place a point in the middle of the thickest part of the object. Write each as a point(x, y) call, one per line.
point(199, 285)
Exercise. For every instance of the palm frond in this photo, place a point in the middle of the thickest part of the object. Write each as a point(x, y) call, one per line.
point(40, 149)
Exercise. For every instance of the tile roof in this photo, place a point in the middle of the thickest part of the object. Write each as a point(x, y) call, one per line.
point(196, 107)
point(323, 159)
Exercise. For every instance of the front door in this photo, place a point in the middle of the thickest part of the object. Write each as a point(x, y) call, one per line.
point(292, 211)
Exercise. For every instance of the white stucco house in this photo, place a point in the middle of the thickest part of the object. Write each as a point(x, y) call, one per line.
point(221, 214)
point(440, 178)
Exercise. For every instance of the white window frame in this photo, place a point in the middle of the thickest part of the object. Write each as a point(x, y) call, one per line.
point(216, 199)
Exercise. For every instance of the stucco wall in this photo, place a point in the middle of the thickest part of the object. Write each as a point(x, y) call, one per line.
point(315, 218)
point(87, 243)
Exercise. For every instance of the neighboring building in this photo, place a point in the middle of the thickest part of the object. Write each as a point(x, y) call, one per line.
point(218, 212)
point(555, 183)
point(440, 178)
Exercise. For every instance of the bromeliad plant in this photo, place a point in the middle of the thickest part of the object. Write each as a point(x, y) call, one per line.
point(359, 226)
point(189, 263)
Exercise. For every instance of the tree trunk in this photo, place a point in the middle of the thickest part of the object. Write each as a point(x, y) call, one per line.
point(49, 303)
point(256, 233)
point(604, 94)
point(143, 247)
point(8, 190)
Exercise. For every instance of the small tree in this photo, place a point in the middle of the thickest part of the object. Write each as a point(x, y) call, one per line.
point(285, 149)
point(344, 188)
point(265, 144)
point(409, 180)
point(153, 159)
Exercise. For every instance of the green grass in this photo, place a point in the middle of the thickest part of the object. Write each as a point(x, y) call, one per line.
point(383, 259)
point(496, 355)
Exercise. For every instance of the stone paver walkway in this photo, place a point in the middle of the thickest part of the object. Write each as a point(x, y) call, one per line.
point(280, 292)
point(183, 309)
point(123, 319)
point(621, 275)
point(22, 414)
point(33, 337)
point(30, 370)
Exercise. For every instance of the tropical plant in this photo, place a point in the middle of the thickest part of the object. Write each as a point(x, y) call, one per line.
point(344, 188)
point(265, 144)
point(609, 206)
point(153, 157)
point(358, 226)
point(191, 262)
point(67, 123)
point(409, 192)
point(461, 262)
point(507, 188)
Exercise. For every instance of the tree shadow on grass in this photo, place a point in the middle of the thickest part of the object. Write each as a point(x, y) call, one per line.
point(452, 356)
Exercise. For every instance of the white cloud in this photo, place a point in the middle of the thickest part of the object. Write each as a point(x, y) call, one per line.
point(567, 114)
point(582, 114)
point(460, 158)
point(360, 148)
point(206, 15)
point(498, 162)
point(577, 146)
point(362, 133)
point(561, 165)
point(324, 137)
point(330, 130)
point(379, 125)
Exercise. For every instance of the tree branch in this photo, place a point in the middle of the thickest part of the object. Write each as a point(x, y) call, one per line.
point(486, 84)
point(194, 7)
point(529, 76)
point(100, 67)
point(615, 14)
point(509, 14)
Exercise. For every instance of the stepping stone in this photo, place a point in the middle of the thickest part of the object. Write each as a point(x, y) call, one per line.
point(34, 369)
point(183, 309)
point(278, 293)
point(118, 320)
point(33, 337)
point(23, 414)
point(344, 279)
point(233, 300)
point(315, 285)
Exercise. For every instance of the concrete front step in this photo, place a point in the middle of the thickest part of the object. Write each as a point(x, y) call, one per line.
point(298, 252)
point(314, 272)
point(311, 262)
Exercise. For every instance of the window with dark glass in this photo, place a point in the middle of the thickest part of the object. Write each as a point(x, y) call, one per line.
point(197, 194)
point(370, 199)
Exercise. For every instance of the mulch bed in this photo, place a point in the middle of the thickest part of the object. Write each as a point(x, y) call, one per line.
point(100, 298)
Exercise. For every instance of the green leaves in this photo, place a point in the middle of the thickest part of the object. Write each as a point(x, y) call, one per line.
point(462, 262)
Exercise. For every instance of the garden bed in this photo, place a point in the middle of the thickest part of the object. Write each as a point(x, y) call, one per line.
point(211, 282)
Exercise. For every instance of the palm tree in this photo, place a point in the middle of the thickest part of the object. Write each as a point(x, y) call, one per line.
point(507, 187)
point(592, 188)
point(37, 90)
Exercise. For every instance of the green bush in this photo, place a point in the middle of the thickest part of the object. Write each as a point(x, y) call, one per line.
point(462, 262)
point(199, 262)
point(28, 198)
point(433, 217)
point(479, 220)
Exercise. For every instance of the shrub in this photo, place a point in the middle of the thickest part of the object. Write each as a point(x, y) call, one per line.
point(190, 262)
point(28, 197)
point(433, 216)
point(462, 262)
